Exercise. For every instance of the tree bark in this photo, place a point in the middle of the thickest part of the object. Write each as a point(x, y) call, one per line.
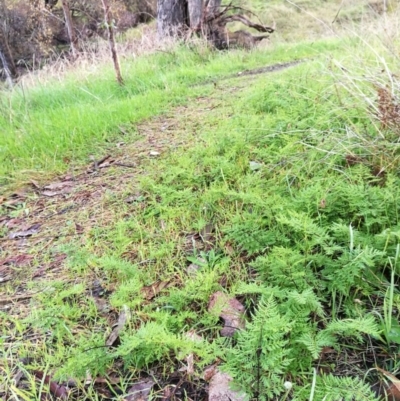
point(171, 17)
point(111, 41)
point(70, 27)
point(213, 7)
point(6, 57)
point(195, 14)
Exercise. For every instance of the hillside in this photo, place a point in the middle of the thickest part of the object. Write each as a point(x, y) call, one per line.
point(224, 215)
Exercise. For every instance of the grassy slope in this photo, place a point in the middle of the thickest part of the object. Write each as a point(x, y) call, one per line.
point(57, 121)
point(282, 175)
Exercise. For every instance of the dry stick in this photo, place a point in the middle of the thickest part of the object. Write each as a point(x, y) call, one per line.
point(111, 40)
point(70, 27)
point(6, 58)
point(6, 69)
point(338, 12)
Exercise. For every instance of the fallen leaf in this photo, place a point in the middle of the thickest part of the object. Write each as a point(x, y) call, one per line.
point(5, 274)
point(209, 372)
point(192, 269)
point(59, 185)
point(35, 184)
point(79, 229)
point(57, 390)
point(52, 193)
point(58, 188)
point(393, 389)
point(17, 260)
point(219, 389)
point(230, 310)
point(206, 232)
point(189, 368)
point(123, 317)
point(151, 291)
point(26, 233)
point(140, 391)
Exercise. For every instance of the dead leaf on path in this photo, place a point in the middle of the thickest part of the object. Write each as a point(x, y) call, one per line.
point(51, 193)
point(206, 232)
point(189, 368)
point(26, 233)
point(56, 390)
point(17, 260)
point(5, 274)
point(229, 249)
point(55, 186)
point(151, 291)
point(35, 184)
point(140, 391)
point(58, 188)
point(79, 229)
point(219, 389)
point(123, 318)
point(209, 372)
point(230, 310)
point(13, 201)
point(393, 389)
point(192, 269)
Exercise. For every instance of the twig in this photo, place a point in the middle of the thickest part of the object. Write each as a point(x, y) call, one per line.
point(337, 14)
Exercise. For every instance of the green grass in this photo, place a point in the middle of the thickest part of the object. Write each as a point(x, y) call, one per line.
point(46, 127)
point(285, 170)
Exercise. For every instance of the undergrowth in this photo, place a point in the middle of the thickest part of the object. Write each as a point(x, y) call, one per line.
point(303, 228)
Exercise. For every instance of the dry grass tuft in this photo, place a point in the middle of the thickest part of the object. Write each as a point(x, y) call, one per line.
point(95, 55)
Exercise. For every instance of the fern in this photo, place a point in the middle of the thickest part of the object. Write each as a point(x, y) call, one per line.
point(261, 357)
point(350, 268)
point(334, 388)
point(286, 268)
point(153, 342)
point(355, 327)
point(302, 304)
point(315, 342)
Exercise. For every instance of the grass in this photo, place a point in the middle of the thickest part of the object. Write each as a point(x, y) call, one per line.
point(280, 190)
point(47, 126)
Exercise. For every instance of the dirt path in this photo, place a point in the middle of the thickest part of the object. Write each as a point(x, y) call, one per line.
point(37, 220)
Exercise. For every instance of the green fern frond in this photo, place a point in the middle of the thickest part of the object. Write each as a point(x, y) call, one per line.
point(315, 342)
point(355, 327)
point(333, 388)
point(307, 301)
point(262, 355)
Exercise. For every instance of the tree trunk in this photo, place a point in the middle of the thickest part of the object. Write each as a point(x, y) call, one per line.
point(109, 23)
point(6, 57)
point(213, 7)
point(195, 14)
point(171, 17)
point(70, 27)
point(7, 72)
